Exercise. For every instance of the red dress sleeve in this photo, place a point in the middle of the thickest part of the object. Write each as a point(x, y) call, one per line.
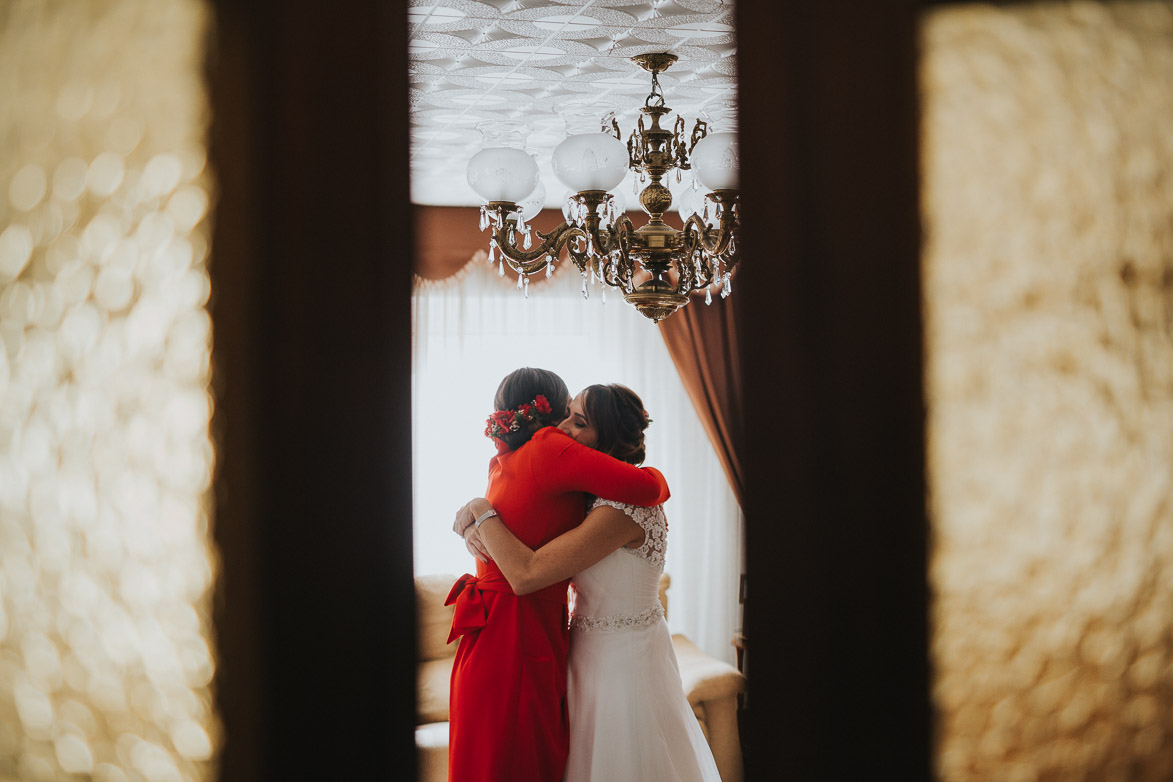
point(565, 466)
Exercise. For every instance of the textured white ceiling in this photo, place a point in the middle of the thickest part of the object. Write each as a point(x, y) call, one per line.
point(521, 59)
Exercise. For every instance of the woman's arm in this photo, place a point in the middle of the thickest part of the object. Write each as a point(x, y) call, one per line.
point(571, 466)
point(605, 529)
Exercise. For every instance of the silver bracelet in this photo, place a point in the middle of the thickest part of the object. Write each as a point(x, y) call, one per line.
point(490, 513)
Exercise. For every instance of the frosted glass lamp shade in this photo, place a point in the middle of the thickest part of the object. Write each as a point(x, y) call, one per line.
point(502, 174)
point(716, 161)
point(533, 203)
point(590, 161)
point(691, 202)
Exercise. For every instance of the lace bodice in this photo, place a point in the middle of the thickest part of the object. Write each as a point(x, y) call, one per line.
point(622, 590)
point(655, 526)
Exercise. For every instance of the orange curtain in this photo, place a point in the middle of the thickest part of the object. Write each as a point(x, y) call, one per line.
point(447, 237)
point(702, 341)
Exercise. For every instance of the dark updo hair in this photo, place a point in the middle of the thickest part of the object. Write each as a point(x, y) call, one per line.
point(618, 415)
point(523, 386)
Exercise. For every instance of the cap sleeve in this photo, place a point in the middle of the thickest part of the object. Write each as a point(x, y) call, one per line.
point(655, 526)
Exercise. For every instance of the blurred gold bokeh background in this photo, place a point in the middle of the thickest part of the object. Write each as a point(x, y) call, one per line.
point(106, 657)
point(1048, 286)
point(1047, 204)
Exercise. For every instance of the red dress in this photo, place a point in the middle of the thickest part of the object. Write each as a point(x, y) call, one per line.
point(507, 709)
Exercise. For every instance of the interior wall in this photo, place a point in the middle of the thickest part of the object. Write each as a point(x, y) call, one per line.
point(1048, 273)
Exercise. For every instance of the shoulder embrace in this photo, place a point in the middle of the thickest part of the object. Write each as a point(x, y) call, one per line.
point(552, 437)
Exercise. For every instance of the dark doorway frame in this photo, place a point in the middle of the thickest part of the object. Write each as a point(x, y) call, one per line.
point(315, 604)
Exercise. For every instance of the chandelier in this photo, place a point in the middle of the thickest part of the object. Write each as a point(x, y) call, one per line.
point(656, 266)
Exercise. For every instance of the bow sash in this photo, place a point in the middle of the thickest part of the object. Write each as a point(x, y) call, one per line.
point(470, 612)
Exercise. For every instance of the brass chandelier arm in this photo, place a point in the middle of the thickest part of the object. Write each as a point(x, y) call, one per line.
point(615, 237)
point(713, 241)
point(536, 259)
point(699, 131)
point(692, 274)
point(617, 267)
point(680, 148)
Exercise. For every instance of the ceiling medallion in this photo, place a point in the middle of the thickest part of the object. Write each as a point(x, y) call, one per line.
point(655, 266)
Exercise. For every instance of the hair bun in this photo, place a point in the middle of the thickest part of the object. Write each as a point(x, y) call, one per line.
point(619, 418)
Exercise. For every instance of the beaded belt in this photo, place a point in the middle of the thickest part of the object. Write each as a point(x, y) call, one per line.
point(617, 622)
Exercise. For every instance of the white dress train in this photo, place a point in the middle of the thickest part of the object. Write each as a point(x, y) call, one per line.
point(629, 719)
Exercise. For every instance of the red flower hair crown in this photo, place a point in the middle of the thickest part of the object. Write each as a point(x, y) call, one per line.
point(526, 416)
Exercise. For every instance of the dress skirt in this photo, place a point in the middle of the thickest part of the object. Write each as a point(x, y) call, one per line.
point(507, 713)
point(629, 718)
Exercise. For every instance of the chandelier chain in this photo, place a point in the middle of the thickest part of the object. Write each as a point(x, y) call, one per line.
point(656, 96)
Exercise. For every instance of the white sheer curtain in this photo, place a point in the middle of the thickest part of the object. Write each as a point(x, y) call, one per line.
point(471, 331)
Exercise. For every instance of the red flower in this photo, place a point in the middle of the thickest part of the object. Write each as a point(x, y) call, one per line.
point(499, 423)
point(502, 422)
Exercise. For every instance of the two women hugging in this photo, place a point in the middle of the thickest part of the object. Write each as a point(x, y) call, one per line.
point(540, 693)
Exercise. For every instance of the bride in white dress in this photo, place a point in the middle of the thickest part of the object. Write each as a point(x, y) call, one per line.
point(629, 719)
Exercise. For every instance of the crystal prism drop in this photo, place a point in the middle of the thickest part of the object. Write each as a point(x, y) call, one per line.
point(604, 298)
point(586, 294)
point(484, 219)
point(519, 276)
point(709, 295)
point(549, 268)
point(732, 246)
point(678, 176)
point(521, 226)
point(726, 286)
point(528, 242)
point(492, 250)
point(525, 287)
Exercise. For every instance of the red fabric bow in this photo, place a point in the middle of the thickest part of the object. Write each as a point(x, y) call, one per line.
point(470, 612)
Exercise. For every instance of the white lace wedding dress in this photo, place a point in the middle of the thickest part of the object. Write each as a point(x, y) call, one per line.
point(629, 719)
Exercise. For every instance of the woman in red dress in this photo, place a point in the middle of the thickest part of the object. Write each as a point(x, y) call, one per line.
point(507, 710)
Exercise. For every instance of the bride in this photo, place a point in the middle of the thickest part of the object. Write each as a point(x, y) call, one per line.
point(629, 719)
